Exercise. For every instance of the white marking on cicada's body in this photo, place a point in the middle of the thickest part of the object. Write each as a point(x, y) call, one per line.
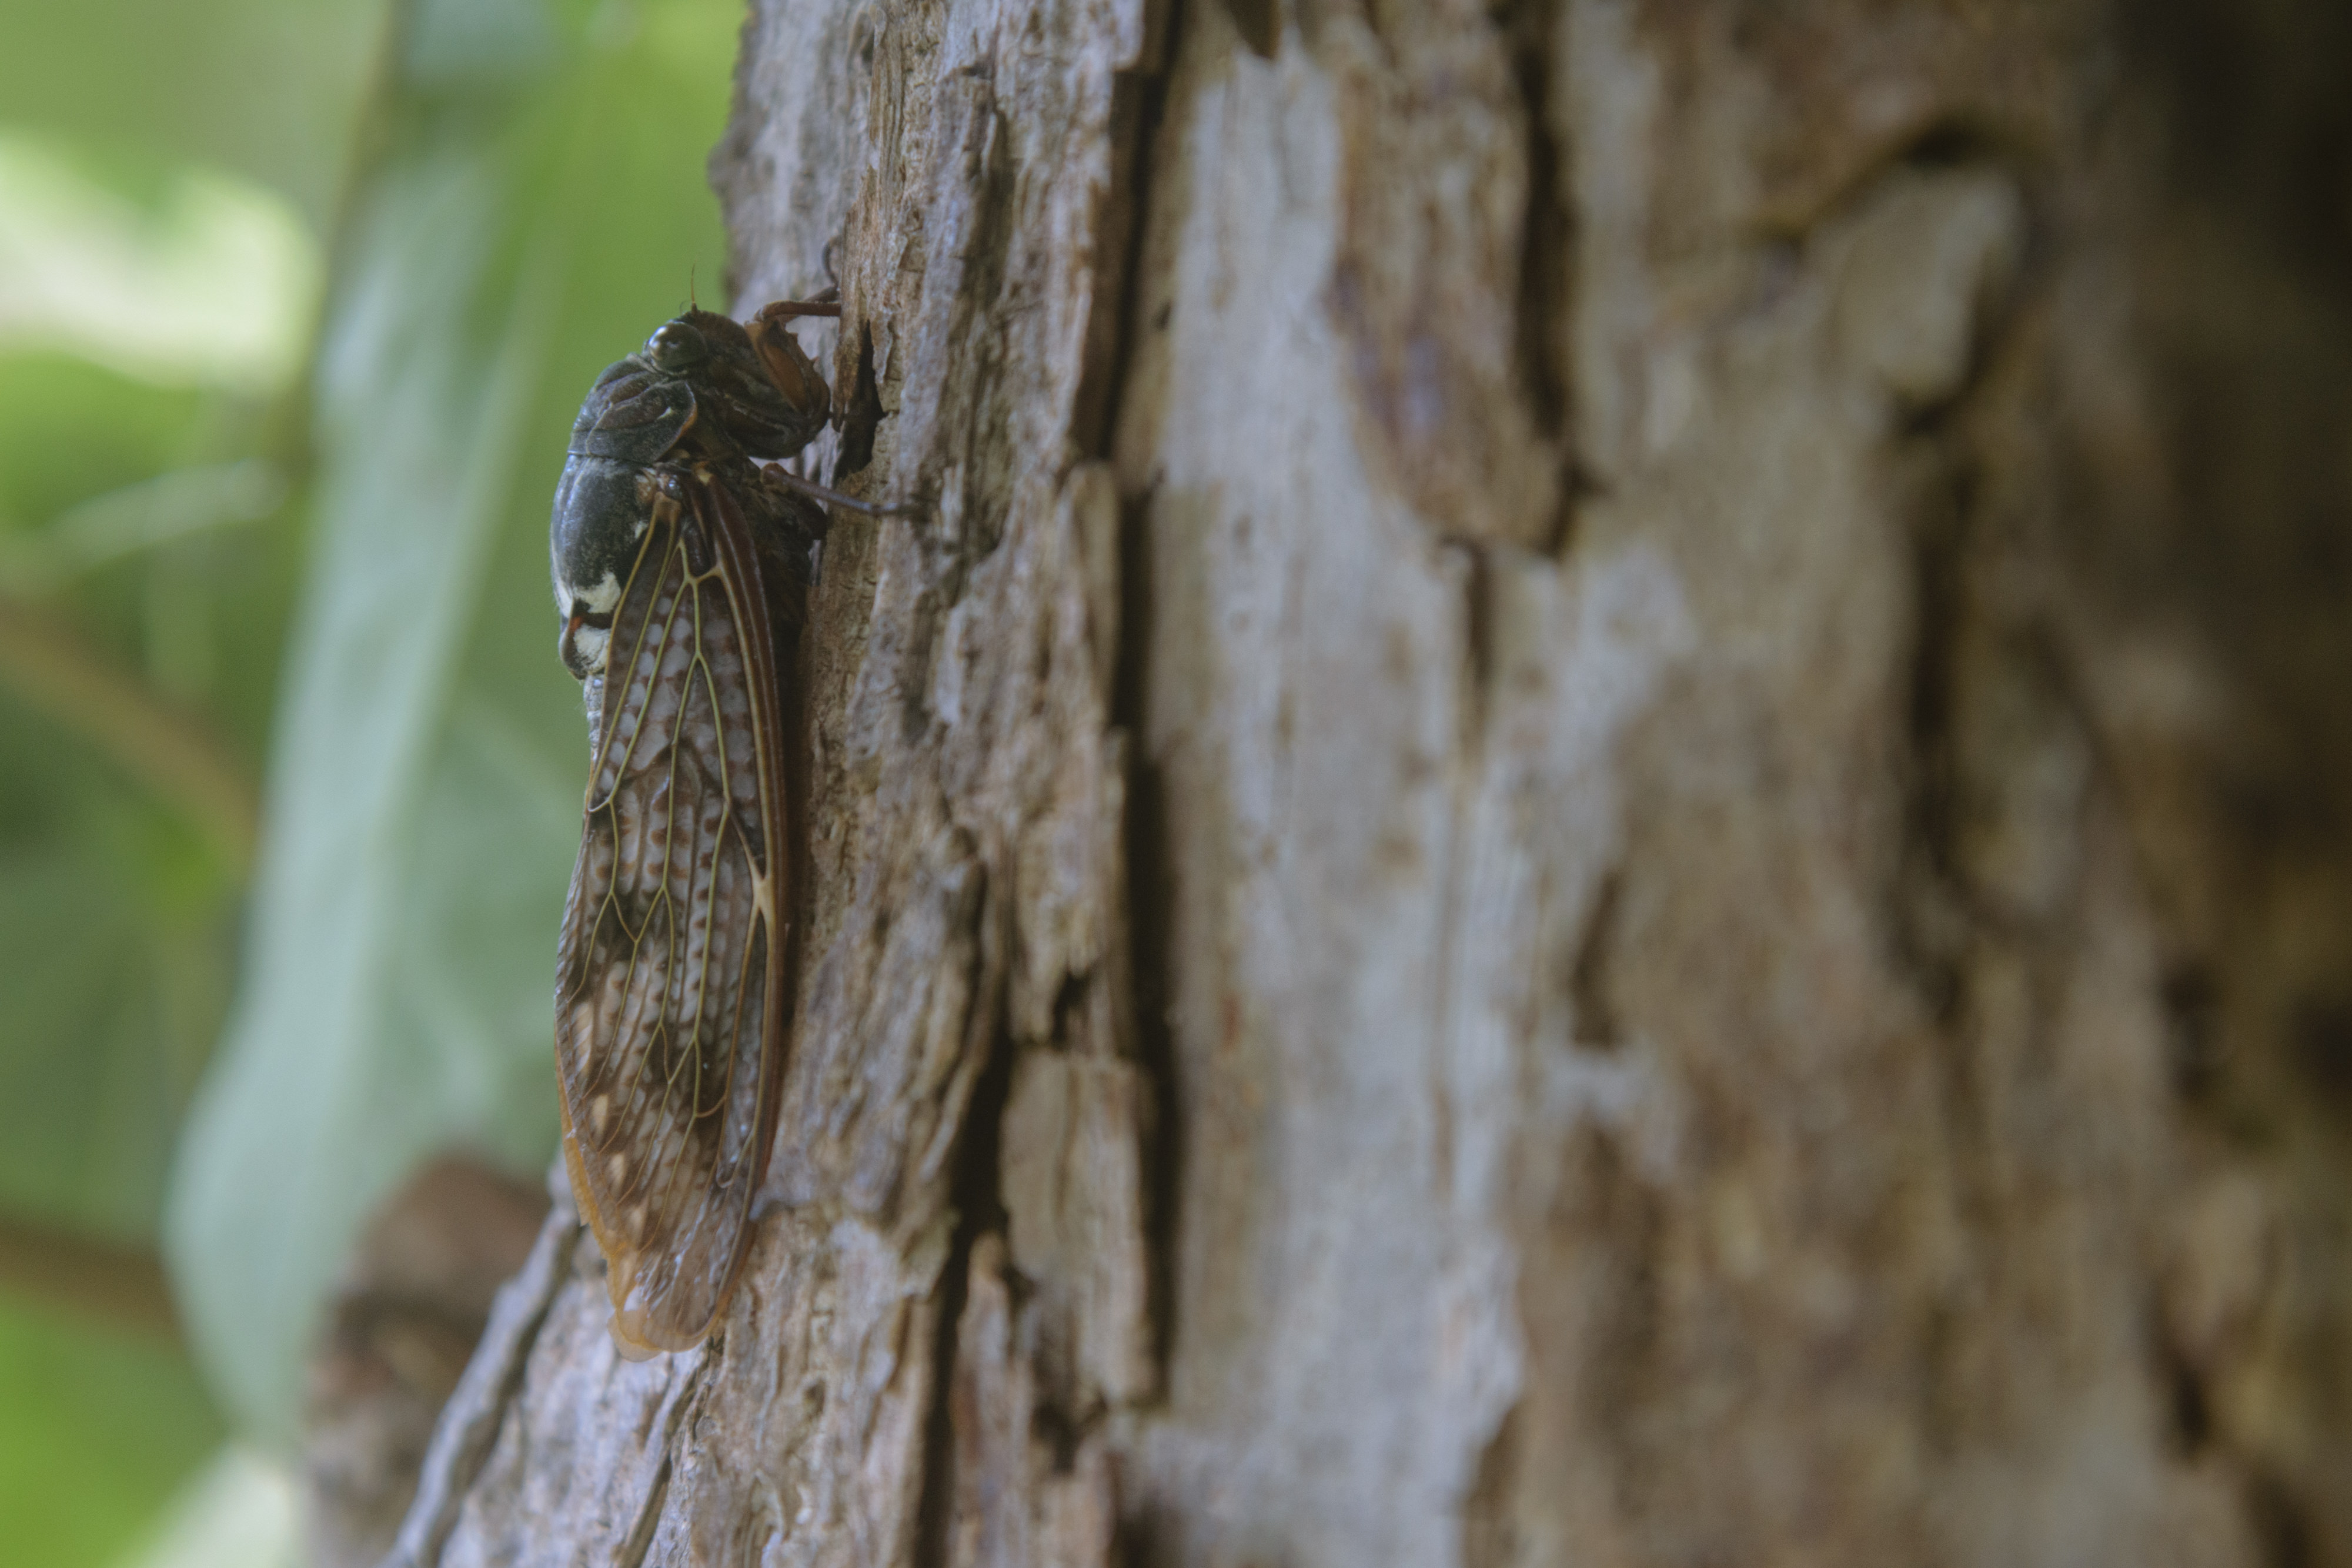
point(590, 640)
point(597, 600)
point(574, 604)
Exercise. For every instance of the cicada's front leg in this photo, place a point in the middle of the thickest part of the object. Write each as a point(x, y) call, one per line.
point(787, 364)
point(826, 304)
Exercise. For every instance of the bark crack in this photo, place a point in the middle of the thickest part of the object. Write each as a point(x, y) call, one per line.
point(976, 1197)
point(1139, 98)
point(639, 1541)
point(469, 1427)
point(1150, 882)
point(1547, 232)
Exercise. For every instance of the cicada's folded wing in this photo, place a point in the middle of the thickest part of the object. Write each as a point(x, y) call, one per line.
point(670, 975)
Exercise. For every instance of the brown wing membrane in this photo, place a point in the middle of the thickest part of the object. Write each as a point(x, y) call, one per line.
point(669, 978)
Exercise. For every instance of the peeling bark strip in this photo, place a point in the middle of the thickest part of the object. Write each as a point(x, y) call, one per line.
point(1601, 820)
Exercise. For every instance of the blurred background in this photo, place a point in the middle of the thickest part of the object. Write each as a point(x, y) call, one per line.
point(297, 302)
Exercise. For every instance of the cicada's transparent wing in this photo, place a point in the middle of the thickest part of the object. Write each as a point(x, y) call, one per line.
point(669, 998)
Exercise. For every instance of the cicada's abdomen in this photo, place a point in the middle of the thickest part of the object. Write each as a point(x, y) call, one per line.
point(602, 506)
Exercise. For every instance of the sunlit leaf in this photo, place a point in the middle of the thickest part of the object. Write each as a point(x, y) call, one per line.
point(239, 1511)
point(211, 282)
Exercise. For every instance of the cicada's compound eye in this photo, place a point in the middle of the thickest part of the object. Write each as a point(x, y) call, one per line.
point(677, 347)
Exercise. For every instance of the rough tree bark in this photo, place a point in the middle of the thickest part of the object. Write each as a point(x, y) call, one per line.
point(1602, 821)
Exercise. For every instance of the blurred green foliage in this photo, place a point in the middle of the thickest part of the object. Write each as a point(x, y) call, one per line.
point(98, 1432)
point(266, 89)
point(331, 578)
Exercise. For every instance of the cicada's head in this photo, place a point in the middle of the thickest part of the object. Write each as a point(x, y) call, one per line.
point(704, 384)
point(755, 386)
point(703, 389)
point(601, 510)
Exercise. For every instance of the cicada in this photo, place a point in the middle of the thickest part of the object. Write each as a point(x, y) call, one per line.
point(682, 567)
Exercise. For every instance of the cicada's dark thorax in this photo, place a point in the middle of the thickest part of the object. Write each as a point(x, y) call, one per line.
point(704, 394)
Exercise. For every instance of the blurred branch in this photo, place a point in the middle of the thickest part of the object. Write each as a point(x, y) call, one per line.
point(51, 666)
point(122, 1286)
point(171, 506)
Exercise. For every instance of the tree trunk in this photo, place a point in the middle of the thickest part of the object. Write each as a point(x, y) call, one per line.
point(1601, 818)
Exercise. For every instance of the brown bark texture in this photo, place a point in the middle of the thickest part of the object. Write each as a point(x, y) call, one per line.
point(1602, 818)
